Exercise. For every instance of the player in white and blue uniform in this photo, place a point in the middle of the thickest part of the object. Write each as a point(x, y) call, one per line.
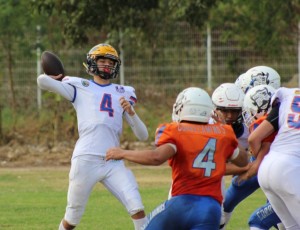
point(100, 107)
point(278, 172)
point(237, 192)
point(256, 106)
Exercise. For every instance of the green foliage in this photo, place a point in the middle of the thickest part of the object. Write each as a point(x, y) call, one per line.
point(80, 15)
point(195, 12)
point(163, 42)
point(266, 26)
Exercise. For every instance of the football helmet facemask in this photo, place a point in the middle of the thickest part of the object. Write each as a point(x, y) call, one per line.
point(192, 104)
point(257, 103)
point(103, 51)
point(260, 75)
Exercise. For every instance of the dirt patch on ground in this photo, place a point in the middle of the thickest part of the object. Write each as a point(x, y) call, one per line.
point(16, 154)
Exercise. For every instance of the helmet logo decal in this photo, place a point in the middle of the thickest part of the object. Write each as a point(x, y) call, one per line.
point(259, 78)
point(261, 99)
point(179, 103)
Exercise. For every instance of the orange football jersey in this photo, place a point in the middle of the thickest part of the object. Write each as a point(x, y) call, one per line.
point(202, 151)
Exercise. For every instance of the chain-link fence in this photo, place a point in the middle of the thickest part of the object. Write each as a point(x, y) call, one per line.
point(176, 60)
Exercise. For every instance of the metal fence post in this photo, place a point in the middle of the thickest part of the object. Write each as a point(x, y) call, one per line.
point(122, 75)
point(38, 66)
point(208, 51)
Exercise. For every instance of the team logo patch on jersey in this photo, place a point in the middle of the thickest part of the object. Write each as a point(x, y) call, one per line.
point(85, 83)
point(120, 89)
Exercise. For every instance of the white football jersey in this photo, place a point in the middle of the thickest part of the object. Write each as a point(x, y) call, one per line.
point(243, 139)
point(289, 122)
point(99, 114)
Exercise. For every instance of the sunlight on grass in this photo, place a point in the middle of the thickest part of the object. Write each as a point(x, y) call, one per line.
point(35, 198)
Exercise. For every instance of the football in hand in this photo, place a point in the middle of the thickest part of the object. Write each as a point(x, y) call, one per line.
point(52, 65)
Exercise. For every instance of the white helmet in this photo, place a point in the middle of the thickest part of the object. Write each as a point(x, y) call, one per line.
point(228, 95)
point(192, 104)
point(238, 81)
point(257, 103)
point(260, 75)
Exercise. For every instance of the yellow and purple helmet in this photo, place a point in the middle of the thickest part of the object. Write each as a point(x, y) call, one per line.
point(103, 51)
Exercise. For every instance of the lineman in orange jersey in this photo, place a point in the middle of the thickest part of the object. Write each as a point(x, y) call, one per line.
point(197, 153)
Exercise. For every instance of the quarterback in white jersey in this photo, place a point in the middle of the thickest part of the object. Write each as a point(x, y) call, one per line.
point(100, 107)
point(278, 173)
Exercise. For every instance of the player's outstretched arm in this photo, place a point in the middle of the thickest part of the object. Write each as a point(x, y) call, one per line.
point(254, 166)
point(232, 169)
point(144, 157)
point(49, 83)
point(239, 158)
point(258, 135)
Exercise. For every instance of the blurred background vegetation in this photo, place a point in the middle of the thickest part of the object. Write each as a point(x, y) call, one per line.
point(165, 46)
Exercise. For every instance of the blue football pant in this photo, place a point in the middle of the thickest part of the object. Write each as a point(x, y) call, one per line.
point(238, 192)
point(264, 217)
point(188, 212)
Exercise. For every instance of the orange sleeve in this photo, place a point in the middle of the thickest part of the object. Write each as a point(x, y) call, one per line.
point(256, 123)
point(163, 135)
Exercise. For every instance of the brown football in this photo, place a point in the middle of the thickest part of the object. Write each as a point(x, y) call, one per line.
point(52, 65)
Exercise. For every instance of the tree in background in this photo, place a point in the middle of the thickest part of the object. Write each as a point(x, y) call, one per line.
point(85, 18)
point(14, 21)
point(266, 26)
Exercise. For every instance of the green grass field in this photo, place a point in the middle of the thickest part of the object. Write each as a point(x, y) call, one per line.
point(35, 198)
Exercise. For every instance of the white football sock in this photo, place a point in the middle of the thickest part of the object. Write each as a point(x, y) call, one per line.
point(225, 219)
point(61, 226)
point(280, 226)
point(138, 223)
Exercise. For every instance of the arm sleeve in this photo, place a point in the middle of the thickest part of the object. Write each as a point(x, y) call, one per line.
point(137, 126)
point(64, 89)
point(273, 117)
